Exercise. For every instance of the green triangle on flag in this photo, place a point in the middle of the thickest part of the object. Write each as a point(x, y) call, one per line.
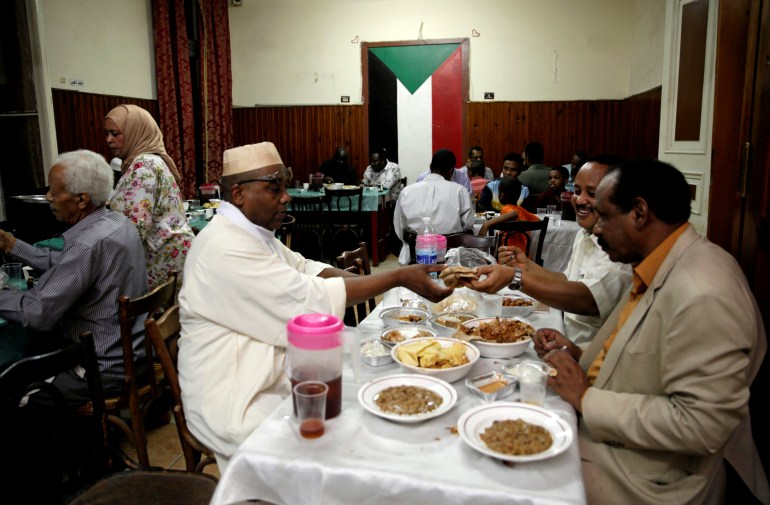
point(412, 65)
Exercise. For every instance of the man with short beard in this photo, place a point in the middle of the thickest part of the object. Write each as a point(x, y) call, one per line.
point(592, 284)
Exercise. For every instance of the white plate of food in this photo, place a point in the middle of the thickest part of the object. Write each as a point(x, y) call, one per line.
point(350, 187)
point(498, 337)
point(407, 398)
point(519, 435)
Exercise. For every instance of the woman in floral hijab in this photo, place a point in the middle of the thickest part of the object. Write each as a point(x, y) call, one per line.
point(147, 192)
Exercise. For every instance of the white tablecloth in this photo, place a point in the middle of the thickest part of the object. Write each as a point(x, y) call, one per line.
point(365, 459)
point(557, 247)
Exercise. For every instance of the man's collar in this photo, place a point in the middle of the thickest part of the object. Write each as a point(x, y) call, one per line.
point(235, 216)
point(85, 222)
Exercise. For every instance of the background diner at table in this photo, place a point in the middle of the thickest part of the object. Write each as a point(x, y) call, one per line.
point(148, 191)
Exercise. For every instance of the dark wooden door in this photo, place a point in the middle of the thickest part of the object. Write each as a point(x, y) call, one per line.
point(739, 208)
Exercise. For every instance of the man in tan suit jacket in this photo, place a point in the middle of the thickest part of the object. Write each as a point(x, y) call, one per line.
point(664, 387)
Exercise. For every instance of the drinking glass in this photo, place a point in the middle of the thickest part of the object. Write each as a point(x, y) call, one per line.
point(541, 212)
point(15, 276)
point(533, 377)
point(551, 209)
point(310, 397)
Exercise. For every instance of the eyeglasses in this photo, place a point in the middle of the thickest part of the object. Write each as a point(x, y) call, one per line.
point(282, 176)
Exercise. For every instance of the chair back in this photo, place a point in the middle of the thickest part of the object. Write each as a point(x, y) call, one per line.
point(164, 334)
point(357, 262)
point(510, 227)
point(78, 458)
point(344, 219)
point(129, 309)
point(487, 244)
point(159, 487)
point(410, 239)
point(309, 225)
point(284, 232)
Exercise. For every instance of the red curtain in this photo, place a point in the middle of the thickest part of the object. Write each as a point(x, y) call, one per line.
point(175, 97)
point(216, 86)
point(175, 91)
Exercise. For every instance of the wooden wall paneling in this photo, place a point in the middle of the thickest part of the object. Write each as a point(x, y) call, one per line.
point(305, 136)
point(78, 118)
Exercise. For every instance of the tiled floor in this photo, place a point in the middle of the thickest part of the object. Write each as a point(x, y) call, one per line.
point(163, 442)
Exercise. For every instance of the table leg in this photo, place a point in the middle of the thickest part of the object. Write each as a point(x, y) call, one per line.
point(373, 228)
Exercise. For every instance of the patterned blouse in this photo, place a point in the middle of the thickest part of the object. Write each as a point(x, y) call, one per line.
point(389, 177)
point(149, 196)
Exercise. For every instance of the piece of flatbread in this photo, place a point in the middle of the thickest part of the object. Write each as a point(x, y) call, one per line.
point(452, 275)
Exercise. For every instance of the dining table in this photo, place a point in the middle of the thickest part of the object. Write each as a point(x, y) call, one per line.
point(363, 458)
point(372, 201)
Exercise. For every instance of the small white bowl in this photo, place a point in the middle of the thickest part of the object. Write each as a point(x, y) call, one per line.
point(448, 374)
point(493, 349)
point(336, 185)
point(518, 310)
point(390, 316)
point(406, 332)
point(445, 330)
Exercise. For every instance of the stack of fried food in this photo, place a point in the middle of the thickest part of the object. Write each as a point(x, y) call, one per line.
point(430, 354)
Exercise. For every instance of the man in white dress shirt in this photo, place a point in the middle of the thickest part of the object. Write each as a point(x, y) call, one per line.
point(241, 287)
point(447, 203)
point(592, 284)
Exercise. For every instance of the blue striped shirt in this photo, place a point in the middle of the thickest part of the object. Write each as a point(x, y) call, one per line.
point(102, 259)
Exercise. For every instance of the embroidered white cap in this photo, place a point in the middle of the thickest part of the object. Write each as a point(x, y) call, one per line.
point(251, 157)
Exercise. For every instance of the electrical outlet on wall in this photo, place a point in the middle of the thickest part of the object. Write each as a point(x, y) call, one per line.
point(345, 99)
point(488, 95)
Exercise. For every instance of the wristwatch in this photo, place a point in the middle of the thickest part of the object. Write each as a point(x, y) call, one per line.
point(516, 284)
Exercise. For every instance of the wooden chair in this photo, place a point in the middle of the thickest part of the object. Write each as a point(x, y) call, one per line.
point(142, 384)
point(510, 227)
point(487, 244)
point(410, 238)
point(164, 335)
point(66, 452)
point(284, 232)
point(309, 225)
point(344, 219)
point(159, 487)
point(357, 261)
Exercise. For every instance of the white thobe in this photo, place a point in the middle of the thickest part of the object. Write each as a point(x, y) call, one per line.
point(241, 287)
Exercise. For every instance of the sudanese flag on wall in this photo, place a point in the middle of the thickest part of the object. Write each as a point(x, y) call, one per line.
point(415, 103)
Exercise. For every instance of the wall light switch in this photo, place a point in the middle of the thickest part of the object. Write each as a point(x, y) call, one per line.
point(488, 95)
point(345, 99)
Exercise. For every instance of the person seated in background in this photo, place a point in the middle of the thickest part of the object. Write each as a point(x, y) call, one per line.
point(148, 191)
point(477, 177)
point(591, 285)
point(476, 153)
point(242, 286)
point(102, 260)
point(535, 174)
point(339, 169)
point(489, 200)
point(382, 172)
point(509, 192)
point(460, 176)
point(447, 203)
point(579, 159)
point(557, 179)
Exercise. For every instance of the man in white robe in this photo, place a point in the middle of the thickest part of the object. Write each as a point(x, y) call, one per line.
point(241, 288)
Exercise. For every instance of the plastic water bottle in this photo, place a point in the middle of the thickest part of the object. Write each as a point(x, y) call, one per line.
point(426, 244)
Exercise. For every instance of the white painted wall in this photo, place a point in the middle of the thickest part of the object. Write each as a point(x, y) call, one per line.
point(107, 44)
point(300, 52)
point(646, 68)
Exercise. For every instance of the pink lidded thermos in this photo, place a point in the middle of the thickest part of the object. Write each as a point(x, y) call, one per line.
point(315, 352)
